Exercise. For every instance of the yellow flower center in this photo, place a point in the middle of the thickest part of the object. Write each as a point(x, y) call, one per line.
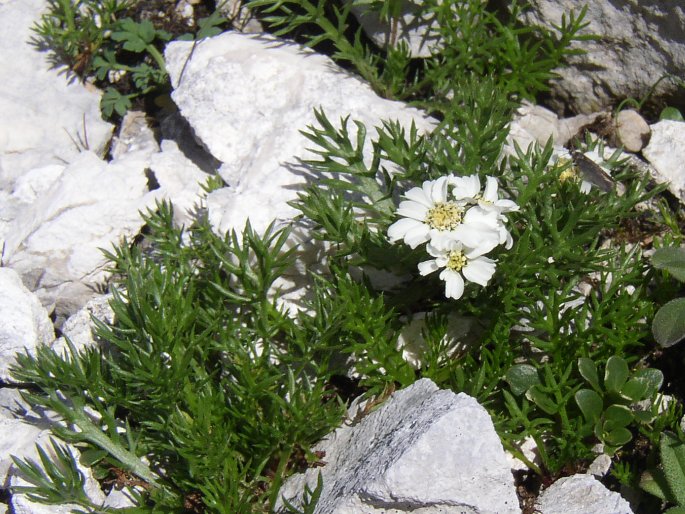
point(456, 260)
point(444, 216)
point(570, 173)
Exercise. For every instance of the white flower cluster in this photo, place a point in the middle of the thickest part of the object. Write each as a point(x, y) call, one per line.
point(460, 223)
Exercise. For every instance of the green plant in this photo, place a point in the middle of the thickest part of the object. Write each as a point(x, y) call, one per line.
point(668, 325)
point(612, 405)
point(667, 481)
point(100, 39)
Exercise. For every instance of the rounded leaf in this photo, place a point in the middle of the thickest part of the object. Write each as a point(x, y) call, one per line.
point(536, 395)
point(671, 113)
point(671, 259)
point(618, 437)
point(668, 326)
point(618, 415)
point(588, 370)
point(654, 378)
point(615, 374)
point(590, 404)
point(522, 377)
point(635, 390)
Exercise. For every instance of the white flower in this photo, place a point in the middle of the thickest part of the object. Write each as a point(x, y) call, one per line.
point(429, 214)
point(490, 200)
point(456, 259)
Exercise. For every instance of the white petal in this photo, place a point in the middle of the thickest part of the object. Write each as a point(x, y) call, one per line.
point(478, 237)
point(399, 229)
point(417, 235)
point(427, 267)
point(418, 195)
point(466, 187)
point(411, 209)
point(490, 193)
point(506, 206)
point(454, 284)
point(479, 270)
point(439, 190)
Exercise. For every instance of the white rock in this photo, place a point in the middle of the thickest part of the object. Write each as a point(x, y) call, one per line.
point(119, 499)
point(46, 118)
point(247, 98)
point(600, 466)
point(12, 405)
point(56, 242)
point(24, 322)
point(418, 31)
point(581, 494)
point(180, 181)
point(632, 131)
point(17, 438)
point(426, 450)
point(639, 43)
point(21, 504)
point(79, 327)
point(666, 153)
point(134, 135)
point(36, 181)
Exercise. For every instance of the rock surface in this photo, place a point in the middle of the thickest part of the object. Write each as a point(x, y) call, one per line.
point(425, 450)
point(418, 32)
point(640, 41)
point(56, 242)
point(581, 494)
point(40, 134)
point(632, 131)
point(247, 98)
point(24, 322)
point(666, 153)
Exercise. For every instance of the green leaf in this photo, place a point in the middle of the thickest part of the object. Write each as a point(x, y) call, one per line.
point(615, 374)
point(618, 437)
point(618, 415)
point(590, 404)
point(671, 259)
point(522, 377)
point(671, 113)
point(135, 36)
point(654, 482)
point(113, 101)
point(654, 378)
point(675, 510)
point(588, 371)
point(542, 399)
point(668, 326)
point(634, 390)
point(672, 453)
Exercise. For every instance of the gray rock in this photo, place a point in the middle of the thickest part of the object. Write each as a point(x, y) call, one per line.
point(425, 450)
point(418, 31)
point(79, 327)
point(33, 132)
point(640, 41)
point(666, 153)
point(581, 494)
point(56, 242)
point(247, 98)
point(24, 323)
point(632, 131)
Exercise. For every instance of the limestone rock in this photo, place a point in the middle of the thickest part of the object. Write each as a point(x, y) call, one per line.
point(248, 97)
point(55, 242)
point(24, 323)
point(640, 41)
point(418, 31)
point(46, 118)
point(425, 450)
point(581, 494)
point(21, 504)
point(632, 131)
point(79, 327)
point(666, 153)
point(16, 438)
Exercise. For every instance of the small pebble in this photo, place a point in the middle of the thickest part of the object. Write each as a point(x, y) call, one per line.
point(632, 131)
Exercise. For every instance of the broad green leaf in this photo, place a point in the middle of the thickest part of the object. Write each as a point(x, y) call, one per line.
point(668, 326)
point(673, 463)
point(654, 378)
point(675, 510)
point(654, 482)
point(615, 374)
point(671, 259)
point(618, 415)
point(618, 437)
point(634, 390)
point(588, 371)
point(522, 377)
point(671, 113)
point(590, 404)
